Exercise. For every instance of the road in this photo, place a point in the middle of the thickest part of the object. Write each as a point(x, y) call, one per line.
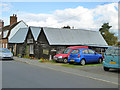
point(22, 75)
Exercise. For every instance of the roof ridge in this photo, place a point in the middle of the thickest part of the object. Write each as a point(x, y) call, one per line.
point(73, 37)
point(71, 29)
point(35, 26)
point(23, 22)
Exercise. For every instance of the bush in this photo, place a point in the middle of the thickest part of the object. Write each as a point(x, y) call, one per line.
point(43, 60)
point(19, 55)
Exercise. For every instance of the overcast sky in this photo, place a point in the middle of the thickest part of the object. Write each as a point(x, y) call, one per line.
point(83, 15)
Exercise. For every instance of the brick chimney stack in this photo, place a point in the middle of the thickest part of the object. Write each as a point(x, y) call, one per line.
point(1, 23)
point(13, 19)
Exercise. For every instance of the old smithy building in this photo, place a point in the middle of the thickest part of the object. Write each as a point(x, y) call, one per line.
point(45, 41)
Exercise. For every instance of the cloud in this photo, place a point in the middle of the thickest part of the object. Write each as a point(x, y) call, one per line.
point(79, 17)
point(107, 13)
point(5, 7)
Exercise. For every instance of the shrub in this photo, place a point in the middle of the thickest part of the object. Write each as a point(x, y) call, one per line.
point(19, 55)
point(43, 60)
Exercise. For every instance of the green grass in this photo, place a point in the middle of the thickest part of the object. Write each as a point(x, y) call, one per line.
point(72, 65)
point(68, 65)
point(52, 61)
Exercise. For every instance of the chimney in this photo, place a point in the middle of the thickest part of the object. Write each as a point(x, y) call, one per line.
point(1, 23)
point(13, 19)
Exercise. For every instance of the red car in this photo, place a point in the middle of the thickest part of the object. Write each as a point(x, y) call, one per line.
point(63, 57)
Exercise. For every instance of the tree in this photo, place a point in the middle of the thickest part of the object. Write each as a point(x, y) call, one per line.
point(66, 27)
point(109, 37)
point(105, 27)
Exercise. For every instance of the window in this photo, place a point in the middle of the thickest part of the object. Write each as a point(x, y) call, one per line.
point(31, 49)
point(113, 52)
point(85, 51)
point(6, 45)
point(91, 52)
point(117, 52)
point(109, 51)
point(3, 45)
point(29, 40)
point(75, 52)
point(60, 50)
point(66, 51)
point(45, 51)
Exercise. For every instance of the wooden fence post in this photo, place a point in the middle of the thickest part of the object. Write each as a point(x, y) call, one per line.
point(15, 50)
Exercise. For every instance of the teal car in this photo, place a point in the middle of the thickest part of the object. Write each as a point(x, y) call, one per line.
point(111, 58)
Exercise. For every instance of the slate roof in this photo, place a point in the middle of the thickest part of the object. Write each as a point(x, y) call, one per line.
point(35, 32)
point(9, 27)
point(20, 36)
point(57, 36)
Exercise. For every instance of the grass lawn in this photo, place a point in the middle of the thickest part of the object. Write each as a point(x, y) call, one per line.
point(69, 65)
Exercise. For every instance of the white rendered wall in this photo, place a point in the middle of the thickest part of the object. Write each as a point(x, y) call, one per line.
point(16, 28)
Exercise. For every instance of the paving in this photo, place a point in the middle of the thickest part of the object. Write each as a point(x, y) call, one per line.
point(92, 72)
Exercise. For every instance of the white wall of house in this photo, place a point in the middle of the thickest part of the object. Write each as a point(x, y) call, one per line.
point(22, 24)
point(5, 33)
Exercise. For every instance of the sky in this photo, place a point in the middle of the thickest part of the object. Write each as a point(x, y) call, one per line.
point(80, 15)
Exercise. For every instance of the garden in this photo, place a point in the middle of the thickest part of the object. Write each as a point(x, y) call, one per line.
point(42, 60)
